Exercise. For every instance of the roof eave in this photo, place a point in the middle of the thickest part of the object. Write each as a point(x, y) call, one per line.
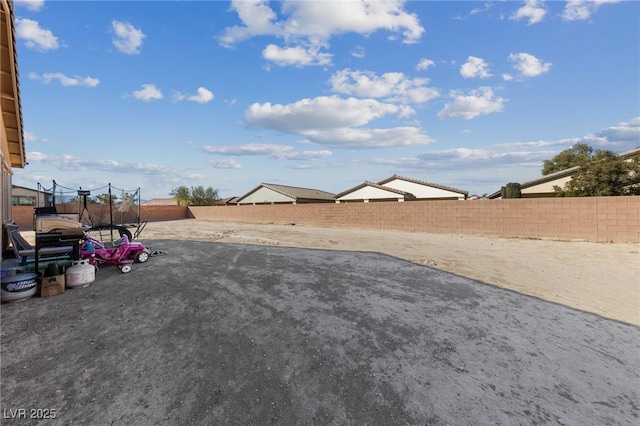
point(10, 88)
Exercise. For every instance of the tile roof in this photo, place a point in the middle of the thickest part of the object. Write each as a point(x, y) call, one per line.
point(294, 192)
point(161, 202)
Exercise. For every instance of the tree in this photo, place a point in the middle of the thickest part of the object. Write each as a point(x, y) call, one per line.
point(577, 155)
point(182, 194)
point(104, 198)
point(77, 198)
point(195, 196)
point(511, 190)
point(126, 202)
point(605, 174)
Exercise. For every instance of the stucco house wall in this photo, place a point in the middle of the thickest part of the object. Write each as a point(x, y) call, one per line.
point(545, 189)
point(423, 191)
point(266, 195)
point(370, 193)
point(20, 195)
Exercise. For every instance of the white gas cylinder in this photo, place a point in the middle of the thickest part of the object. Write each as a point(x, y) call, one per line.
point(80, 274)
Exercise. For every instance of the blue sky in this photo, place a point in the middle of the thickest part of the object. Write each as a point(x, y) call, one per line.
point(320, 94)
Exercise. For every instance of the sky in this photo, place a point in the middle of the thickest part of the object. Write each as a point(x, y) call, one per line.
point(320, 94)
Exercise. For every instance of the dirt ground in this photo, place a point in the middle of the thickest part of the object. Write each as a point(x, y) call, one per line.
point(599, 278)
point(256, 334)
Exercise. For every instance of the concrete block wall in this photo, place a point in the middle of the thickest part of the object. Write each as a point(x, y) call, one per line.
point(598, 219)
point(99, 213)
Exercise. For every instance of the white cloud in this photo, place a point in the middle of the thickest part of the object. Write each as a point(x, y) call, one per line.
point(64, 80)
point(478, 102)
point(324, 112)
point(35, 37)
point(227, 163)
point(32, 137)
point(33, 5)
point(424, 64)
point(297, 56)
point(533, 10)
point(477, 157)
point(305, 155)
point(306, 19)
point(258, 19)
point(528, 65)
point(475, 68)
point(358, 52)
point(392, 86)
point(280, 152)
point(476, 11)
point(578, 10)
point(148, 92)
point(310, 27)
point(626, 132)
point(203, 96)
point(75, 163)
point(370, 138)
point(625, 135)
point(246, 149)
point(128, 38)
point(334, 121)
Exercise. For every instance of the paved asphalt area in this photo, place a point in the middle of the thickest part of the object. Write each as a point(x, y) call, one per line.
point(217, 333)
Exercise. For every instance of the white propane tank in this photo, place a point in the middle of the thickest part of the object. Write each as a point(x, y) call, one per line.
point(80, 274)
point(18, 286)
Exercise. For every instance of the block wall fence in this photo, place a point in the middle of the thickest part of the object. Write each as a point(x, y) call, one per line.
point(597, 219)
point(99, 213)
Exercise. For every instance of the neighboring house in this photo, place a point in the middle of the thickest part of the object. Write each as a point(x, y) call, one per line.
point(12, 152)
point(543, 186)
point(268, 193)
point(369, 191)
point(161, 202)
point(399, 188)
point(424, 190)
point(21, 196)
point(227, 201)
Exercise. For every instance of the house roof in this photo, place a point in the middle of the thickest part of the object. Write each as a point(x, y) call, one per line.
point(225, 201)
point(30, 189)
point(293, 192)
point(161, 202)
point(405, 194)
point(10, 94)
point(420, 182)
point(630, 154)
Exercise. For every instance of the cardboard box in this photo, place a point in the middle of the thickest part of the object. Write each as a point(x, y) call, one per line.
point(52, 286)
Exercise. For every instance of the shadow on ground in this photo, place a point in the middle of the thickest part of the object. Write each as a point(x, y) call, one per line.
point(217, 333)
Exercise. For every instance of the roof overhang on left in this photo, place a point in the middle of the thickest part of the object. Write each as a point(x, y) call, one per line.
point(10, 87)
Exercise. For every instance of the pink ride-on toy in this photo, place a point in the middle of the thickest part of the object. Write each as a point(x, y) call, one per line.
point(122, 253)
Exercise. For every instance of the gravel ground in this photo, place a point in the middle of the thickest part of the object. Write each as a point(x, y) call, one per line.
point(223, 333)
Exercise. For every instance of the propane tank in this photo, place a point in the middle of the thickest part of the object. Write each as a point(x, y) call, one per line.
point(80, 274)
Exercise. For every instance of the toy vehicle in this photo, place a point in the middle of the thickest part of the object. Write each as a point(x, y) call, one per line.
point(121, 253)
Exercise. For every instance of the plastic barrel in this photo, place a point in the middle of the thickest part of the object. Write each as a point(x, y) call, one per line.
point(18, 286)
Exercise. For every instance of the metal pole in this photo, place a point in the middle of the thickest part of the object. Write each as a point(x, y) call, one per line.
point(54, 193)
point(110, 212)
point(138, 218)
